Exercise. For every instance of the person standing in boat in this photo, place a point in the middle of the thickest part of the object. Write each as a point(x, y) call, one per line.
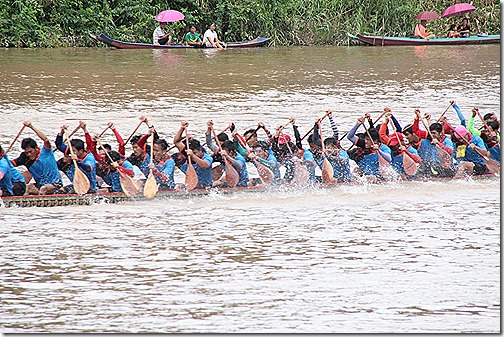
point(40, 162)
point(211, 39)
point(422, 32)
point(201, 161)
point(464, 28)
point(159, 37)
point(12, 181)
point(192, 38)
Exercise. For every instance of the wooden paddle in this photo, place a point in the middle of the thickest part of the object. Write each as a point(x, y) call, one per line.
point(191, 177)
point(133, 133)
point(12, 144)
point(319, 120)
point(492, 165)
point(451, 103)
point(444, 157)
point(409, 165)
point(251, 134)
point(489, 129)
point(80, 181)
point(327, 169)
point(267, 176)
point(101, 134)
point(151, 187)
point(232, 176)
point(128, 185)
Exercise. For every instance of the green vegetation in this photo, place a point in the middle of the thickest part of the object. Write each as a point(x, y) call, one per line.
point(63, 23)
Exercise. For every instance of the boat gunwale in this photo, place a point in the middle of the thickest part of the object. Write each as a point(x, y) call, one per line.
point(115, 197)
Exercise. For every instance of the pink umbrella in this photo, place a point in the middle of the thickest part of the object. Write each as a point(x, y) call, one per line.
point(169, 16)
point(427, 16)
point(458, 9)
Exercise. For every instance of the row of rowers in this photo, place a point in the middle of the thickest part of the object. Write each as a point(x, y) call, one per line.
point(381, 151)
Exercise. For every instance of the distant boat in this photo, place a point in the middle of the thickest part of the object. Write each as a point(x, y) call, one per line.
point(375, 40)
point(258, 42)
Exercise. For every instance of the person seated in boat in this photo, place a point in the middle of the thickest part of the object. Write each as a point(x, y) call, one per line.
point(12, 182)
point(85, 160)
point(201, 161)
point(108, 168)
point(453, 32)
point(370, 163)
point(441, 146)
point(41, 164)
point(397, 145)
point(423, 33)
point(399, 150)
point(305, 155)
point(159, 36)
point(464, 28)
point(470, 149)
point(261, 153)
point(141, 150)
point(237, 161)
point(489, 135)
point(163, 166)
point(211, 39)
point(192, 38)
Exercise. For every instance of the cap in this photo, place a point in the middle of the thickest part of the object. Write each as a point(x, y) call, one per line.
point(393, 140)
point(283, 139)
point(461, 131)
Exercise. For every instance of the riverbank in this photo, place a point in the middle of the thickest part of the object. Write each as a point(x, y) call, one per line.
point(66, 23)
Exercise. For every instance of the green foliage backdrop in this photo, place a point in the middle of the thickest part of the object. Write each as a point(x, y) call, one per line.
point(64, 23)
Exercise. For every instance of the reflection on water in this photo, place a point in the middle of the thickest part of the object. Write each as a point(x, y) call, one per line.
point(405, 257)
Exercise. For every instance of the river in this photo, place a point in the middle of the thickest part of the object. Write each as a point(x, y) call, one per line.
point(411, 257)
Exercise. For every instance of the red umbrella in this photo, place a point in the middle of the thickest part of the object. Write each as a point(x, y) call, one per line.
point(427, 16)
point(169, 16)
point(458, 9)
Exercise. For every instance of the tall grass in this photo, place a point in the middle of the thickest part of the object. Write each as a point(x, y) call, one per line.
point(54, 23)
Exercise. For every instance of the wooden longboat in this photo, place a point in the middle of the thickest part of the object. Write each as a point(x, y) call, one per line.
point(258, 42)
point(376, 40)
point(117, 197)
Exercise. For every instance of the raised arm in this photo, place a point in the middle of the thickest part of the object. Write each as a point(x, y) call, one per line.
point(177, 139)
point(40, 134)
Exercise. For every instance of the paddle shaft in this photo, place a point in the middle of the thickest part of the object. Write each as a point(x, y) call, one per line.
point(484, 122)
point(451, 103)
point(306, 135)
point(133, 133)
point(250, 136)
point(15, 138)
point(101, 134)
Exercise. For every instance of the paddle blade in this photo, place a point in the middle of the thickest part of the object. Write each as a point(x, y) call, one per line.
point(492, 165)
point(267, 176)
point(301, 174)
point(409, 165)
point(150, 187)
point(327, 171)
point(217, 172)
point(444, 157)
point(385, 168)
point(232, 176)
point(191, 177)
point(128, 185)
point(80, 182)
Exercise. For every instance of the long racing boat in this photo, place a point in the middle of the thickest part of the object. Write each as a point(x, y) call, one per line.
point(258, 42)
point(375, 40)
point(117, 197)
